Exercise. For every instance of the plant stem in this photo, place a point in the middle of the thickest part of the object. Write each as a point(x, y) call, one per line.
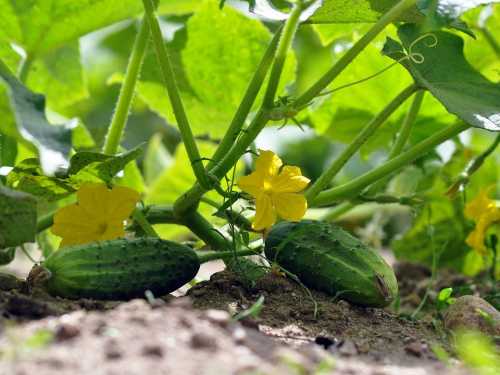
point(207, 256)
point(146, 226)
point(291, 25)
point(328, 175)
point(174, 96)
point(389, 17)
point(119, 119)
point(401, 139)
point(247, 102)
point(356, 185)
point(205, 231)
point(191, 198)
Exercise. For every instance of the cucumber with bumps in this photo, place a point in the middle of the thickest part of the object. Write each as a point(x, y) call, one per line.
point(117, 269)
point(327, 258)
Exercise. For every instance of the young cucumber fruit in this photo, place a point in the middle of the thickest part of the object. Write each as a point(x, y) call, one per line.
point(117, 269)
point(327, 258)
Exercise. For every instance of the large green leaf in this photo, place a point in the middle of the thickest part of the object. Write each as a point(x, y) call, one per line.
point(212, 72)
point(345, 11)
point(442, 12)
point(52, 141)
point(445, 72)
point(17, 218)
point(59, 75)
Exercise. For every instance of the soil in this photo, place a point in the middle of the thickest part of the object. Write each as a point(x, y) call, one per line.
point(296, 332)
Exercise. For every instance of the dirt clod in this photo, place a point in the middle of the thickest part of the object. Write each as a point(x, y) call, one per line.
point(200, 340)
point(65, 331)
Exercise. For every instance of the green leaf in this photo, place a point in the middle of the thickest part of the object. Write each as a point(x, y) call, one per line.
point(446, 73)
point(441, 13)
point(156, 159)
point(213, 89)
point(59, 75)
point(341, 11)
point(17, 218)
point(27, 176)
point(52, 141)
point(42, 26)
point(8, 150)
point(7, 255)
point(95, 167)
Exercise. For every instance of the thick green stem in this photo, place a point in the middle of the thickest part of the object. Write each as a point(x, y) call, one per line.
point(141, 220)
point(174, 96)
point(284, 45)
point(45, 222)
point(246, 103)
point(328, 175)
point(353, 187)
point(206, 232)
point(119, 120)
point(401, 139)
point(191, 198)
point(389, 17)
point(207, 256)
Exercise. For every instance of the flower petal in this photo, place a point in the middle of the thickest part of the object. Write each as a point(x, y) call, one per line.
point(122, 202)
point(93, 199)
point(252, 184)
point(290, 180)
point(268, 163)
point(476, 207)
point(265, 215)
point(290, 206)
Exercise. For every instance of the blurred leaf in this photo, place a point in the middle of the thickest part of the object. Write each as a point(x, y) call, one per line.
point(59, 75)
point(211, 92)
point(81, 137)
point(441, 13)
point(462, 90)
point(156, 159)
point(448, 241)
point(132, 177)
point(52, 141)
point(8, 150)
point(17, 218)
point(7, 255)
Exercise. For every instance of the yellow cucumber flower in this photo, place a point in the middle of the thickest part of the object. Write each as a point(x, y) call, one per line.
point(99, 214)
point(484, 212)
point(275, 190)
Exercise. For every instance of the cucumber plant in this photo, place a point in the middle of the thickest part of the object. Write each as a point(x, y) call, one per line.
point(219, 81)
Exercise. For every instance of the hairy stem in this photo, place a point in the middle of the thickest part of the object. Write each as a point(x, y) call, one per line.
point(191, 198)
point(174, 96)
point(328, 175)
point(353, 187)
point(119, 120)
point(389, 17)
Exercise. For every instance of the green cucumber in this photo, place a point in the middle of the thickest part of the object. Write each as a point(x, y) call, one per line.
point(122, 268)
point(117, 269)
point(327, 258)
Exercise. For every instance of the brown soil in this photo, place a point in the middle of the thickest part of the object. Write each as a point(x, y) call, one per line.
point(40, 335)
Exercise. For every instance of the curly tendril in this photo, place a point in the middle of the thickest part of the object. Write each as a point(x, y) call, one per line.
point(416, 57)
